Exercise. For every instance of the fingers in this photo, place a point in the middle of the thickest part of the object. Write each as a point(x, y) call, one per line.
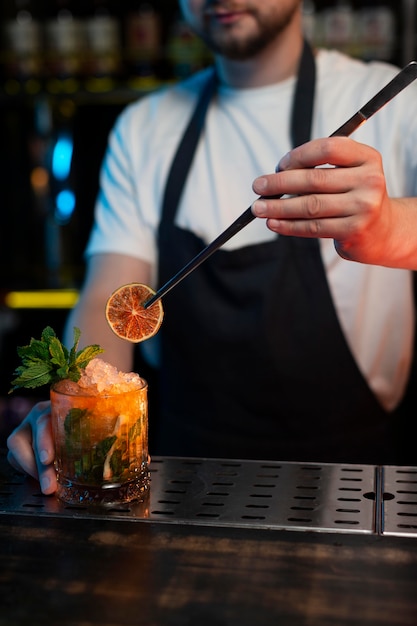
point(320, 228)
point(304, 207)
point(337, 201)
point(301, 171)
point(14, 463)
point(336, 216)
point(44, 451)
point(31, 448)
point(338, 151)
point(303, 182)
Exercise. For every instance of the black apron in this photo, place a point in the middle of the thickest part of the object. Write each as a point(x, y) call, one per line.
point(254, 364)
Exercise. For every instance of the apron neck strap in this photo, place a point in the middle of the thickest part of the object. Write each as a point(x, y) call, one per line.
point(303, 102)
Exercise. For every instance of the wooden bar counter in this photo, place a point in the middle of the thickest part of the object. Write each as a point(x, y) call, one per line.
point(217, 543)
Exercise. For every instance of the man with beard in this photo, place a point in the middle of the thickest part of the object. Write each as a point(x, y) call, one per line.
point(276, 347)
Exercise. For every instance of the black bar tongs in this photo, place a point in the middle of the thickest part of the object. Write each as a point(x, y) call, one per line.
point(406, 76)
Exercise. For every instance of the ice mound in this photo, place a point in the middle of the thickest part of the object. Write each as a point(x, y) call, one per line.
point(69, 387)
point(106, 378)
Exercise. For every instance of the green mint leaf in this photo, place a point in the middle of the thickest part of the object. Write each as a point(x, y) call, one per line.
point(62, 372)
point(73, 420)
point(102, 448)
point(116, 463)
point(47, 360)
point(77, 335)
point(83, 357)
point(74, 375)
point(47, 334)
point(135, 430)
point(34, 375)
point(35, 350)
point(76, 426)
point(59, 354)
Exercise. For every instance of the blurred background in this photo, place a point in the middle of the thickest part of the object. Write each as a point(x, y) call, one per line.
point(67, 69)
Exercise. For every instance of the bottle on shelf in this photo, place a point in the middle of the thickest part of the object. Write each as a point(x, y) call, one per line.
point(143, 44)
point(22, 45)
point(338, 27)
point(363, 28)
point(376, 31)
point(104, 45)
point(65, 42)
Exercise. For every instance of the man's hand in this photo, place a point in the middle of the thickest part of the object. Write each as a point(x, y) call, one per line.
point(337, 190)
point(31, 448)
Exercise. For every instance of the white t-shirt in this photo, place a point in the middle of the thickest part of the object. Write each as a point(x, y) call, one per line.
point(245, 135)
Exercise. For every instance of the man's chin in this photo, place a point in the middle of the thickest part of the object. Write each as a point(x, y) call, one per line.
point(235, 48)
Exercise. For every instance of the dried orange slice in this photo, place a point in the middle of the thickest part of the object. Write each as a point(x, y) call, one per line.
point(127, 316)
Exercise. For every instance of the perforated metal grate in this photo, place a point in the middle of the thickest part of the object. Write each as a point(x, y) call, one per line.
point(275, 495)
point(306, 496)
point(399, 501)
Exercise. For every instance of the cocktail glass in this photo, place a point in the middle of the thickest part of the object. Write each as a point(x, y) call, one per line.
point(101, 442)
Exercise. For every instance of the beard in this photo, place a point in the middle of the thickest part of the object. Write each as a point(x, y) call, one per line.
point(228, 42)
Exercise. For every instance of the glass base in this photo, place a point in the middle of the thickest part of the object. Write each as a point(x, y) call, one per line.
point(104, 495)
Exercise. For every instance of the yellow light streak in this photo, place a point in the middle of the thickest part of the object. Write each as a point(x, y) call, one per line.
point(42, 299)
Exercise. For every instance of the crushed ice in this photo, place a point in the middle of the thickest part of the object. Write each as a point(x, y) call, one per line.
point(106, 378)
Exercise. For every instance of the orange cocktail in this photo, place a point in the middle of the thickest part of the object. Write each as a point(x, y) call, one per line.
point(100, 427)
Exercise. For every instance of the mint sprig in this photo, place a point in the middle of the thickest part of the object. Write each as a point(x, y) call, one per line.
point(47, 360)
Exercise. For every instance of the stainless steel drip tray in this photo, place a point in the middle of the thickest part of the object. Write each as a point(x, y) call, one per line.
point(272, 495)
point(295, 496)
point(399, 498)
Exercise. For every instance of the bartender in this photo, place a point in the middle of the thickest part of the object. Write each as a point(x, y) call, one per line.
point(277, 347)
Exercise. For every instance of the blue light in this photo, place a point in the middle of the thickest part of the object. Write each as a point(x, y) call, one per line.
point(61, 158)
point(65, 205)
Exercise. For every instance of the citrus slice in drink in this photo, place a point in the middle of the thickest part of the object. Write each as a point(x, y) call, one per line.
point(128, 318)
